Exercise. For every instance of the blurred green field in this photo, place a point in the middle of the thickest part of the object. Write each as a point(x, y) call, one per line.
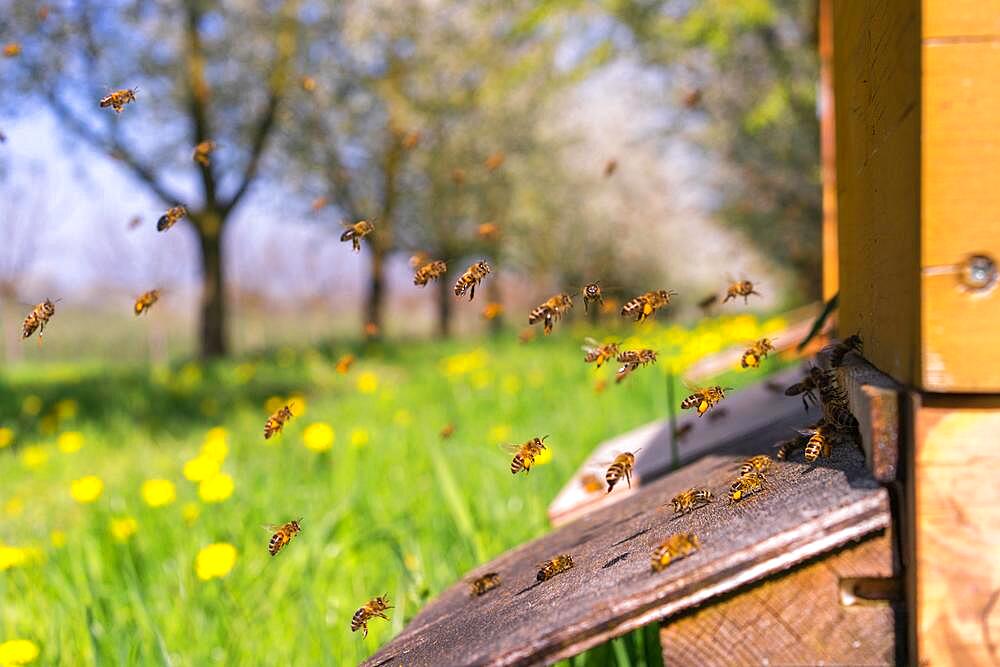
point(387, 505)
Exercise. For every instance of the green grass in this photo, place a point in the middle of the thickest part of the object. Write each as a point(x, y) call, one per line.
point(407, 513)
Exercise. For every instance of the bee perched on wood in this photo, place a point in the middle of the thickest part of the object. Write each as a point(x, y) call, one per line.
point(146, 301)
point(690, 500)
point(550, 311)
point(761, 463)
point(277, 421)
point(840, 350)
point(170, 218)
point(118, 99)
point(283, 534)
point(646, 304)
point(472, 277)
point(743, 288)
point(786, 447)
point(374, 608)
point(38, 318)
point(705, 398)
point(354, 233)
point(756, 353)
point(554, 566)
point(621, 467)
point(524, 454)
point(202, 151)
point(484, 584)
point(746, 485)
point(630, 360)
point(599, 353)
point(429, 271)
point(674, 548)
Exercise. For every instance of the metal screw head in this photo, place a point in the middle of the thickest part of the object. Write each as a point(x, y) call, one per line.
point(979, 273)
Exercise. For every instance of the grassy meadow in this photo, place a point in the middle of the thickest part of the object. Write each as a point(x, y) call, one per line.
point(133, 497)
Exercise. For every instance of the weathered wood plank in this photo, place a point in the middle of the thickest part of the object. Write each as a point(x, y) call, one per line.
point(874, 399)
point(807, 510)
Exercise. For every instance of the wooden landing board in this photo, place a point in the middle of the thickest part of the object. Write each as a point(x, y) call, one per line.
point(757, 416)
point(874, 399)
point(806, 511)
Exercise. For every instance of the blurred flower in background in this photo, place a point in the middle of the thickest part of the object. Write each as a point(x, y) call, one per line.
point(319, 437)
point(216, 445)
point(86, 489)
point(216, 488)
point(191, 512)
point(31, 405)
point(367, 382)
point(359, 438)
point(215, 561)
point(200, 468)
point(69, 442)
point(35, 456)
point(158, 492)
point(18, 652)
point(16, 557)
point(66, 409)
point(124, 528)
point(6, 437)
point(58, 538)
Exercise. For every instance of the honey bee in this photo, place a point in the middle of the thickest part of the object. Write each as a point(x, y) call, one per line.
point(318, 204)
point(807, 388)
point(591, 483)
point(690, 500)
point(609, 167)
point(494, 161)
point(743, 288)
point(12, 50)
point(170, 218)
point(411, 139)
point(446, 431)
point(599, 353)
point(277, 421)
point(344, 363)
point(524, 454)
point(709, 301)
point(630, 360)
point(550, 311)
point(308, 83)
point(283, 534)
point(374, 608)
point(820, 442)
point(592, 294)
point(472, 277)
point(840, 350)
point(692, 98)
point(683, 430)
point(756, 353)
point(146, 301)
point(646, 304)
point(202, 151)
point(674, 548)
point(429, 271)
point(38, 318)
point(786, 447)
point(761, 463)
point(418, 259)
point(488, 231)
point(118, 99)
point(621, 467)
point(746, 485)
point(484, 584)
point(554, 566)
point(354, 233)
point(705, 398)
point(492, 310)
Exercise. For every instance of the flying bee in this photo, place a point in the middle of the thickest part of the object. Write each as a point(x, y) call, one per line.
point(592, 293)
point(524, 454)
point(277, 421)
point(170, 218)
point(472, 277)
point(591, 483)
point(756, 353)
point(807, 388)
point(599, 353)
point(374, 608)
point(118, 99)
point(840, 350)
point(674, 548)
point(621, 467)
point(344, 363)
point(484, 584)
point(354, 233)
point(550, 311)
point(495, 161)
point(38, 318)
point(202, 151)
point(705, 398)
point(743, 288)
point(488, 231)
point(308, 83)
point(492, 310)
point(647, 304)
point(746, 485)
point(429, 271)
point(318, 204)
point(761, 463)
point(283, 534)
point(609, 167)
point(446, 431)
point(690, 500)
point(706, 303)
point(12, 50)
point(554, 566)
point(630, 360)
point(146, 301)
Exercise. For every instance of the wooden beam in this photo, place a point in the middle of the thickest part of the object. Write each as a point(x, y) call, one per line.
point(875, 400)
point(828, 151)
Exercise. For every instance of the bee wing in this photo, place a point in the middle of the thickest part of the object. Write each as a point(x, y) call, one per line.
point(272, 527)
point(509, 448)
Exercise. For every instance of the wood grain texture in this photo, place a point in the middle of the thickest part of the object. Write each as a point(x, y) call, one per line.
point(874, 399)
point(828, 151)
point(877, 99)
point(611, 590)
point(956, 509)
point(945, 19)
point(795, 618)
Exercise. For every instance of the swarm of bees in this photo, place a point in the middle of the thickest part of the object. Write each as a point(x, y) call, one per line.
point(553, 566)
point(756, 353)
point(374, 608)
point(429, 271)
point(38, 318)
point(550, 310)
point(674, 548)
point(283, 534)
point(470, 278)
point(146, 301)
point(645, 305)
point(525, 454)
point(597, 354)
point(704, 399)
point(173, 215)
point(277, 421)
point(118, 99)
point(484, 584)
point(202, 151)
point(354, 233)
point(619, 468)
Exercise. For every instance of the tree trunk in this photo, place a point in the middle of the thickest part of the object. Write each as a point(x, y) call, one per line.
point(213, 340)
point(444, 302)
point(376, 292)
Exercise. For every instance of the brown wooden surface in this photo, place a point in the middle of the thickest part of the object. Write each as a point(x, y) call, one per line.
point(874, 399)
point(795, 618)
point(828, 151)
point(807, 510)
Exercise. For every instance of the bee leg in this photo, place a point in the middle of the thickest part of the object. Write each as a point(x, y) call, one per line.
point(472, 291)
point(628, 478)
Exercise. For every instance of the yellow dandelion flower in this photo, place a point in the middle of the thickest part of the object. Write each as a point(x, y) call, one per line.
point(58, 539)
point(298, 403)
point(481, 379)
point(31, 405)
point(6, 437)
point(201, 468)
point(359, 438)
point(158, 492)
point(16, 557)
point(215, 561)
point(14, 506)
point(273, 404)
point(319, 437)
point(191, 511)
point(69, 442)
point(18, 652)
point(86, 489)
point(402, 418)
point(216, 488)
point(367, 382)
point(216, 445)
point(499, 434)
point(35, 456)
point(460, 364)
point(124, 528)
point(66, 409)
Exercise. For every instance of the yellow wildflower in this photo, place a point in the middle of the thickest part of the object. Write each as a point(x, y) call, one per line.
point(298, 403)
point(34, 456)
point(13, 557)
point(158, 492)
point(403, 417)
point(58, 538)
point(190, 512)
point(86, 489)
point(481, 379)
point(14, 506)
point(359, 438)
point(31, 405)
point(6, 436)
point(69, 442)
point(216, 488)
point(66, 409)
point(460, 364)
point(215, 561)
point(216, 445)
point(124, 528)
point(319, 436)
point(18, 652)
point(189, 376)
point(200, 468)
point(273, 404)
point(367, 382)
point(499, 434)
point(543, 456)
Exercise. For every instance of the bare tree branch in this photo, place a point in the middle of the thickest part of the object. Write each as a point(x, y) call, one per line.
point(197, 99)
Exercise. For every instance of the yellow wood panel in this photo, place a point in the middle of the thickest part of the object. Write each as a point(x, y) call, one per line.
point(956, 18)
point(957, 536)
point(828, 156)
